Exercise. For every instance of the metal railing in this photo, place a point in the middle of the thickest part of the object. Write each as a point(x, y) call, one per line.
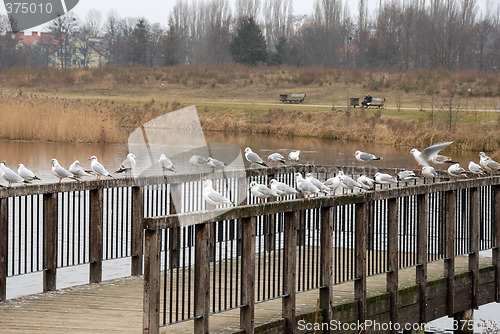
point(258, 252)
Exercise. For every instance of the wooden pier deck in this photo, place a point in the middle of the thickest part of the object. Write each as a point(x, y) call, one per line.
point(116, 306)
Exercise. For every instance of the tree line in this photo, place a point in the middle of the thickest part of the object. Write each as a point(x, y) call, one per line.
point(398, 34)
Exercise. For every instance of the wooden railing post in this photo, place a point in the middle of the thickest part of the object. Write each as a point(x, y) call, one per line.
point(137, 245)
point(4, 239)
point(496, 248)
point(289, 266)
point(49, 241)
point(449, 261)
point(393, 266)
point(175, 232)
point(247, 311)
point(202, 278)
point(151, 303)
point(326, 290)
point(474, 244)
point(421, 271)
point(360, 282)
point(96, 240)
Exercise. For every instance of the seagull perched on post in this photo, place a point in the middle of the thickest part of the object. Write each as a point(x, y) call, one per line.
point(253, 157)
point(166, 164)
point(10, 176)
point(456, 171)
point(282, 189)
point(77, 170)
point(365, 157)
point(306, 187)
point(385, 179)
point(26, 174)
point(211, 196)
point(276, 157)
point(197, 160)
point(60, 172)
point(261, 191)
point(428, 153)
point(98, 168)
point(476, 169)
point(294, 156)
point(128, 164)
point(488, 164)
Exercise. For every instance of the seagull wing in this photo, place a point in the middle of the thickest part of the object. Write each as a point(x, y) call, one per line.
point(433, 150)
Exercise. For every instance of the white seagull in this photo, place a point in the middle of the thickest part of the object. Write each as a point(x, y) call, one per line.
point(306, 187)
point(385, 179)
point(261, 191)
point(253, 157)
point(60, 172)
point(214, 163)
point(428, 153)
point(348, 182)
point(166, 164)
point(128, 164)
point(333, 183)
point(365, 157)
point(456, 171)
point(294, 156)
point(77, 170)
point(10, 176)
point(98, 168)
point(366, 181)
point(317, 183)
point(282, 189)
point(407, 176)
point(276, 157)
point(429, 171)
point(476, 169)
point(488, 164)
point(197, 160)
point(26, 174)
point(211, 196)
point(439, 159)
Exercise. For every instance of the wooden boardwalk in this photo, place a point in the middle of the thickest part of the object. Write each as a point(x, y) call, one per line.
point(115, 306)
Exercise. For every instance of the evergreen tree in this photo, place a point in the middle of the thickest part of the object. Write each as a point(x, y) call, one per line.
point(248, 45)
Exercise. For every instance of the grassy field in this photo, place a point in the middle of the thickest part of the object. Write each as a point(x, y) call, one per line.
point(422, 106)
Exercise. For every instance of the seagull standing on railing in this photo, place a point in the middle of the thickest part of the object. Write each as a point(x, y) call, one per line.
point(261, 191)
point(306, 187)
point(348, 182)
point(60, 172)
point(476, 169)
point(10, 176)
point(407, 176)
point(26, 174)
point(385, 179)
point(77, 170)
point(213, 197)
point(253, 157)
point(366, 181)
point(317, 183)
point(429, 172)
point(276, 157)
point(197, 160)
point(282, 189)
point(333, 183)
point(166, 164)
point(98, 168)
point(488, 164)
point(214, 163)
point(428, 153)
point(456, 171)
point(128, 164)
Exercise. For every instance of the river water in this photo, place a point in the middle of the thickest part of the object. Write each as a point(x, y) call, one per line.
point(37, 155)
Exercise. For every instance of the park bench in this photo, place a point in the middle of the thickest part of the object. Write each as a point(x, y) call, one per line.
point(292, 98)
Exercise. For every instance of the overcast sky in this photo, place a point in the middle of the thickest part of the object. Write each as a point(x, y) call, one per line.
point(159, 10)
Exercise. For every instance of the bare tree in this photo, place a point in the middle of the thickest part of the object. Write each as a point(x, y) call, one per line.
point(247, 8)
point(62, 30)
point(86, 37)
point(277, 21)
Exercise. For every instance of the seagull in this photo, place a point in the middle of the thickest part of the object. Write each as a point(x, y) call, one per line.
point(406, 176)
point(428, 153)
point(26, 174)
point(305, 186)
point(98, 168)
point(385, 179)
point(78, 171)
point(276, 157)
point(166, 164)
point(439, 159)
point(487, 163)
point(60, 172)
point(476, 169)
point(365, 157)
point(282, 189)
point(294, 156)
point(429, 171)
point(366, 181)
point(333, 183)
point(211, 196)
point(317, 183)
point(456, 171)
point(197, 160)
point(253, 157)
point(10, 176)
point(127, 164)
point(261, 191)
point(214, 163)
point(348, 182)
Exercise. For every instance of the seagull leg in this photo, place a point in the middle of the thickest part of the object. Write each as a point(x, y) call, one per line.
point(417, 168)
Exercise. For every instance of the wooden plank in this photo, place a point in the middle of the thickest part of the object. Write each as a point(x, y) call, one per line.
point(151, 303)
point(202, 278)
point(474, 243)
point(326, 290)
point(421, 270)
point(96, 236)
point(393, 263)
point(50, 211)
point(247, 311)
point(175, 232)
point(496, 230)
point(360, 282)
point(289, 270)
point(449, 261)
point(4, 240)
point(137, 231)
